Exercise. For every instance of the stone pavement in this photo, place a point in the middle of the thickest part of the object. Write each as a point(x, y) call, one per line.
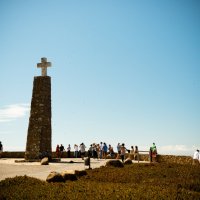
point(9, 168)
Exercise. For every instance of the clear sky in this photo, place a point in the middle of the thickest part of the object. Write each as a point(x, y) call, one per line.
point(122, 71)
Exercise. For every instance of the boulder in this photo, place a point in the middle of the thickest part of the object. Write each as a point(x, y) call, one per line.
point(114, 163)
point(45, 161)
point(80, 172)
point(69, 175)
point(69, 171)
point(128, 161)
point(55, 177)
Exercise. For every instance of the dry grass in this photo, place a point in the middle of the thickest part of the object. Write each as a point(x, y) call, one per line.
point(136, 181)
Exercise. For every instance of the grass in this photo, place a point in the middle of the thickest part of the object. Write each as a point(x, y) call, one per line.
point(136, 181)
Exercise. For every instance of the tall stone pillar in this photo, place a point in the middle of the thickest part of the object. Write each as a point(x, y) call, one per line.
point(38, 142)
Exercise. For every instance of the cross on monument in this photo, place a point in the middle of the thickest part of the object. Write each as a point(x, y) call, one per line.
point(43, 65)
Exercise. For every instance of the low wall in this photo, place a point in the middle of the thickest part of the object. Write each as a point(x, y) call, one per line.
point(14, 154)
point(21, 154)
point(143, 157)
point(169, 159)
point(175, 159)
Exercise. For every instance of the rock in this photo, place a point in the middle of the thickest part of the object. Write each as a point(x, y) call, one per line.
point(128, 161)
point(55, 177)
point(45, 161)
point(114, 163)
point(75, 172)
point(69, 175)
point(70, 171)
point(81, 172)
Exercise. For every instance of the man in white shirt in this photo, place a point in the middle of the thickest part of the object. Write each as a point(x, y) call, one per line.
point(82, 150)
point(196, 157)
point(101, 150)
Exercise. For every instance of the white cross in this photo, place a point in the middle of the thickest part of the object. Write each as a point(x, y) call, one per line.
point(43, 65)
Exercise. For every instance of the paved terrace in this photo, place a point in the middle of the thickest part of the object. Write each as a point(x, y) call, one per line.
point(9, 168)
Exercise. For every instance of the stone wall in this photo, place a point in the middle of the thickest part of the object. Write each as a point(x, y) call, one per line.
point(21, 154)
point(39, 130)
point(169, 159)
point(161, 158)
point(14, 154)
point(175, 159)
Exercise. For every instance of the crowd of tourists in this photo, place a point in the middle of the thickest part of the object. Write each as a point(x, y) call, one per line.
point(103, 151)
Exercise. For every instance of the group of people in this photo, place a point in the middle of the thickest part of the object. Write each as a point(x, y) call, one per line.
point(95, 150)
point(81, 152)
point(102, 150)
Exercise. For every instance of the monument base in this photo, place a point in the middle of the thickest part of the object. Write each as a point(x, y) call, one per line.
point(38, 143)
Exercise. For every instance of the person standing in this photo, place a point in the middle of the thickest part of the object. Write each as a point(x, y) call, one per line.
point(118, 148)
point(98, 151)
point(58, 151)
point(154, 152)
point(196, 157)
point(82, 150)
point(1, 149)
point(101, 150)
point(131, 155)
point(76, 151)
point(111, 151)
point(136, 153)
point(94, 151)
point(90, 151)
point(69, 151)
point(105, 149)
point(122, 152)
point(61, 150)
point(150, 154)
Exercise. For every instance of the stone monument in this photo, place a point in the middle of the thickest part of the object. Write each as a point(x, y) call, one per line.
point(38, 143)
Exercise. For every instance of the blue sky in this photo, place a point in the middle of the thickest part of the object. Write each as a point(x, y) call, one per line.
point(122, 71)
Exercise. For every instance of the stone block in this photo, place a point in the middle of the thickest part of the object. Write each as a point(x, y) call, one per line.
point(55, 177)
point(128, 161)
point(114, 163)
point(45, 161)
point(80, 172)
point(69, 175)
